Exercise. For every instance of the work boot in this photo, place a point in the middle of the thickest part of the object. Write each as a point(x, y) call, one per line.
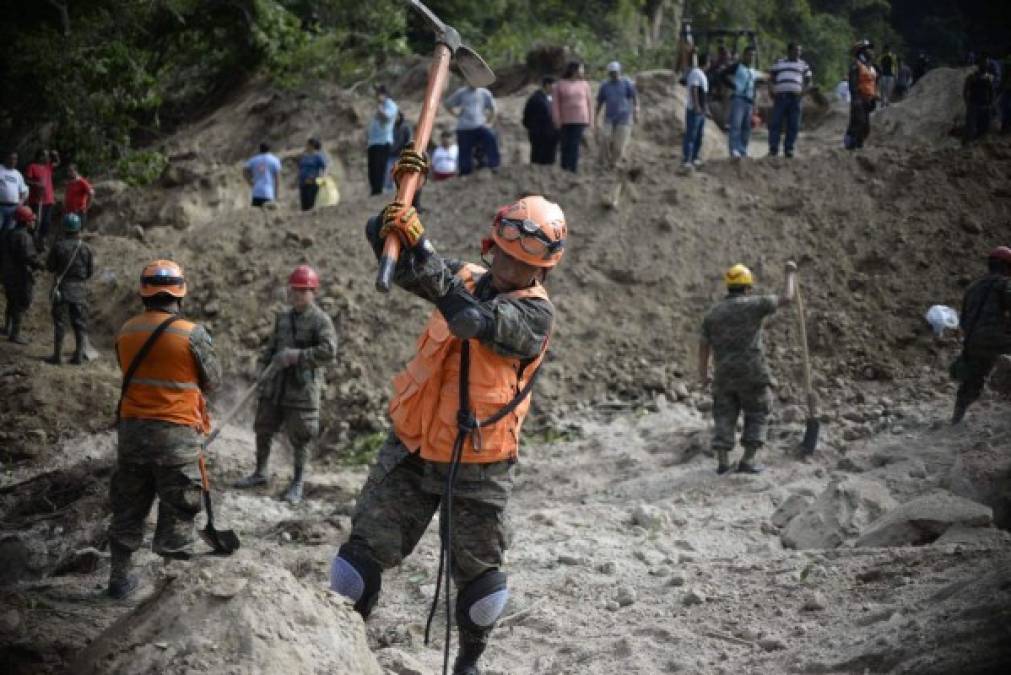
point(57, 357)
point(15, 334)
point(722, 462)
point(80, 338)
point(747, 463)
point(472, 645)
point(293, 495)
point(121, 582)
point(259, 476)
point(959, 413)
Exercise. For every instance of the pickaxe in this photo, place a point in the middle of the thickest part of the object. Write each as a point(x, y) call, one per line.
point(476, 72)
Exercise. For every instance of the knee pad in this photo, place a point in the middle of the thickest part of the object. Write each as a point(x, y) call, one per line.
point(357, 578)
point(481, 602)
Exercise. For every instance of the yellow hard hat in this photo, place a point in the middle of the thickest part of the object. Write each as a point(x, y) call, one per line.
point(737, 276)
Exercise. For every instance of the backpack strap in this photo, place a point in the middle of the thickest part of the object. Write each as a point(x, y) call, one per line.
point(139, 358)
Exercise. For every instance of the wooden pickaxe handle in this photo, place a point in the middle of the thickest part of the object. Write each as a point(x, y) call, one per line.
point(438, 75)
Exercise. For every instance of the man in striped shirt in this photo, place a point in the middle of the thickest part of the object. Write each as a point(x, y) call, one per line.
point(789, 78)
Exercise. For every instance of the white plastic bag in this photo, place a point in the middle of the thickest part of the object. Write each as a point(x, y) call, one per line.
point(942, 318)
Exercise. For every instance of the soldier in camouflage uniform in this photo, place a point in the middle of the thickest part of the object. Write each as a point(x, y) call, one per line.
point(504, 318)
point(18, 262)
point(303, 344)
point(163, 420)
point(72, 262)
point(732, 333)
point(986, 328)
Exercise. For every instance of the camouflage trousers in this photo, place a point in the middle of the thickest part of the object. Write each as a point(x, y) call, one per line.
point(155, 459)
point(729, 401)
point(301, 426)
point(403, 493)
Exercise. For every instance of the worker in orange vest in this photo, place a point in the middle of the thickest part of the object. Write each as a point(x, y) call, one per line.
point(863, 86)
point(168, 365)
point(457, 410)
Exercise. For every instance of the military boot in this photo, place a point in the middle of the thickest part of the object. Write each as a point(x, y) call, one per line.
point(80, 339)
point(959, 413)
point(293, 495)
point(472, 645)
point(121, 582)
point(57, 357)
point(259, 476)
point(722, 461)
point(15, 334)
point(747, 463)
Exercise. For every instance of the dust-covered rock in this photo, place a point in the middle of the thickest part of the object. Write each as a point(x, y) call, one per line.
point(924, 519)
point(840, 512)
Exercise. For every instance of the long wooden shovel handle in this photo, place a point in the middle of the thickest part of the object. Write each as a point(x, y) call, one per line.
point(802, 325)
point(438, 75)
point(204, 480)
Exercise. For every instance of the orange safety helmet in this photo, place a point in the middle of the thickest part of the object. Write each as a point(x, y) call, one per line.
point(532, 230)
point(162, 276)
point(304, 278)
point(23, 214)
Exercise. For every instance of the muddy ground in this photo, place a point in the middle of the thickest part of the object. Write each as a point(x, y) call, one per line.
point(629, 553)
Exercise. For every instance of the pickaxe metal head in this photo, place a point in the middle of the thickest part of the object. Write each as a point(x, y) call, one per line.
point(475, 71)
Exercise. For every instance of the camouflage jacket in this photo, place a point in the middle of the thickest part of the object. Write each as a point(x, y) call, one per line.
point(81, 267)
point(312, 333)
point(520, 325)
point(733, 329)
point(986, 313)
point(18, 257)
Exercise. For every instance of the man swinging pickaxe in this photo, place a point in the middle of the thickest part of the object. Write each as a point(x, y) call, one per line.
point(412, 164)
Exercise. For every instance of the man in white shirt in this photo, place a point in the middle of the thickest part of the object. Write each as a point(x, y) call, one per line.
point(695, 113)
point(13, 190)
point(789, 80)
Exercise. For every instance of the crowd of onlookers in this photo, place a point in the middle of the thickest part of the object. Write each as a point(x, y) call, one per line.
point(560, 112)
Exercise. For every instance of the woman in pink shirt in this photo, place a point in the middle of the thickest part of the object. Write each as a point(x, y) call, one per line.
point(572, 109)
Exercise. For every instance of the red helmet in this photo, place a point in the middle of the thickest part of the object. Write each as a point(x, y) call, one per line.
point(1001, 253)
point(304, 278)
point(23, 214)
point(532, 230)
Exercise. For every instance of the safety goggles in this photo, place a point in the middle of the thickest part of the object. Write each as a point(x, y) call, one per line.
point(162, 280)
point(531, 238)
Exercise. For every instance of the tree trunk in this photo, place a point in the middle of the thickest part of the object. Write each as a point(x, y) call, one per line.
point(61, 7)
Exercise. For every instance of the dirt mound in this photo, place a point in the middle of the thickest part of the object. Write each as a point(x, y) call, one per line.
point(233, 617)
point(930, 114)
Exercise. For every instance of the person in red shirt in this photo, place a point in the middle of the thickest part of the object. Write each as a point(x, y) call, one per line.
point(78, 196)
point(39, 176)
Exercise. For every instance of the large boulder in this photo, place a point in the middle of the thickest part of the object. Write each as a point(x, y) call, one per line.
point(982, 473)
point(845, 508)
point(924, 519)
point(234, 616)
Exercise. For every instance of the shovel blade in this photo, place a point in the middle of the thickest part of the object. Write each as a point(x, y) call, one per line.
point(473, 67)
point(224, 542)
point(810, 441)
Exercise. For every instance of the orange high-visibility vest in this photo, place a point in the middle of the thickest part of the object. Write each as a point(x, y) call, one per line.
point(866, 81)
point(166, 385)
point(426, 394)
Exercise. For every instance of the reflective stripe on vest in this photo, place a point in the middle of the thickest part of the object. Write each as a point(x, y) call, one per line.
point(166, 385)
point(426, 394)
point(866, 81)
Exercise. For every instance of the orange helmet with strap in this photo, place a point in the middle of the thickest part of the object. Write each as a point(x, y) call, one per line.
point(162, 276)
point(531, 230)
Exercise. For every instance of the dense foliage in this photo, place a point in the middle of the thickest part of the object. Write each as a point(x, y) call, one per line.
point(99, 78)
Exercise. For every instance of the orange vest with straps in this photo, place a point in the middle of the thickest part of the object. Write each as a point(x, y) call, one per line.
point(866, 81)
point(426, 394)
point(166, 385)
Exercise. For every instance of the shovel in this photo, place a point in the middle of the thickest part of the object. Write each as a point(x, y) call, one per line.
point(224, 542)
point(476, 72)
point(810, 441)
